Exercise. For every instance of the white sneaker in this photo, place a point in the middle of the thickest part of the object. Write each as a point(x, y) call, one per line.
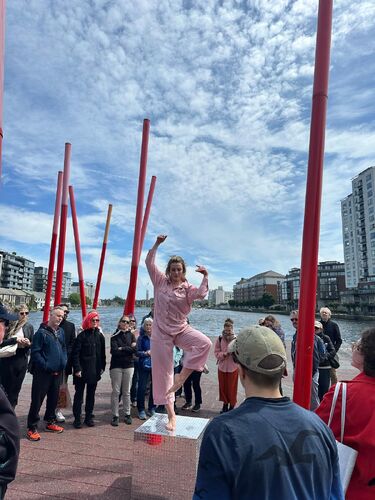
point(59, 416)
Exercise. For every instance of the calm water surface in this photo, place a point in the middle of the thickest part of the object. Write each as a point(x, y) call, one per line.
point(211, 321)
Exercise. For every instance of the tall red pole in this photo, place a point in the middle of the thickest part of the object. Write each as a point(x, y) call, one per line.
point(52, 252)
point(130, 299)
point(63, 219)
point(147, 213)
point(310, 243)
point(2, 52)
point(78, 251)
point(102, 258)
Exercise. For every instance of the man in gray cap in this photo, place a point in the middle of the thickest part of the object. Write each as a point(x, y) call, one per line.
point(268, 447)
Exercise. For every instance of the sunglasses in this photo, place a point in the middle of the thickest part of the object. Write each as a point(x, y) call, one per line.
point(95, 320)
point(132, 321)
point(24, 313)
point(294, 320)
point(124, 321)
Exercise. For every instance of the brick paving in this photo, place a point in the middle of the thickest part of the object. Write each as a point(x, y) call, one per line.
point(97, 462)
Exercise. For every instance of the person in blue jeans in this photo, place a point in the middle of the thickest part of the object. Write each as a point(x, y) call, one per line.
point(144, 369)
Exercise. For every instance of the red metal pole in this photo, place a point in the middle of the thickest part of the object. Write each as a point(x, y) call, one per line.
point(147, 214)
point(52, 253)
point(130, 299)
point(78, 252)
point(102, 258)
point(2, 51)
point(63, 219)
point(310, 243)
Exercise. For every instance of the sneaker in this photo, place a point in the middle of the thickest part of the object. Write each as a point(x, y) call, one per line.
point(90, 422)
point(115, 421)
point(142, 415)
point(187, 406)
point(161, 409)
point(59, 417)
point(52, 427)
point(33, 435)
point(128, 420)
point(151, 412)
point(77, 424)
point(196, 408)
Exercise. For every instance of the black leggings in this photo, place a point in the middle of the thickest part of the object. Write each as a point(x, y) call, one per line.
point(12, 374)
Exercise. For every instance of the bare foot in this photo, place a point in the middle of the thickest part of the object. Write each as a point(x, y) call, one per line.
point(171, 425)
point(176, 385)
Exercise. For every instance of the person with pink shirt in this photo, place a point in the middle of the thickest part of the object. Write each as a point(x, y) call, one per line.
point(173, 299)
point(227, 368)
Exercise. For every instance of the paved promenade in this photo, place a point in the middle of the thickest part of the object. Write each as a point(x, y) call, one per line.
point(97, 462)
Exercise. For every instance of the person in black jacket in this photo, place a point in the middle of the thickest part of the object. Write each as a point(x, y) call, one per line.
point(9, 429)
point(13, 369)
point(88, 358)
point(324, 366)
point(70, 335)
point(331, 329)
point(47, 360)
point(123, 347)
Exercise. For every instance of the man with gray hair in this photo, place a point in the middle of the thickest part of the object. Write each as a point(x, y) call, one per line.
point(268, 447)
point(331, 329)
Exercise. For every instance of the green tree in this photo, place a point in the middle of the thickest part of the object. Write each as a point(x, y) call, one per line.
point(75, 299)
point(88, 301)
point(267, 300)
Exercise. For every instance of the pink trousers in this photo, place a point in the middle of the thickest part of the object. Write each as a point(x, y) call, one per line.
point(196, 347)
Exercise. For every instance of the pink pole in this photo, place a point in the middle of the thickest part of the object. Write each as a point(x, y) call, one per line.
point(147, 213)
point(2, 51)
point(102, 258)
point(310, 243)
point(52, 253)
point(63, 219)
point(130, 300)
point(78, 252)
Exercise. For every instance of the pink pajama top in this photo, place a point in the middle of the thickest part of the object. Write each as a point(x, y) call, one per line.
point(225, 363)
point(172, 303)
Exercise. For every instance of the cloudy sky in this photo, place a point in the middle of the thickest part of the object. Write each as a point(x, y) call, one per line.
point(227, 86)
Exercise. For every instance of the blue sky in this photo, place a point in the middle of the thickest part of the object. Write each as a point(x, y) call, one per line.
point(227, 86)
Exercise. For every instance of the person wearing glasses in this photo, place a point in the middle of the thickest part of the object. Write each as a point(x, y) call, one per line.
point(359, 430)
point(70, 335)
point(88, 359)
point(173, 299)
point(319, 356)
point(13, 369)
point(134, 385)
point(123, 348)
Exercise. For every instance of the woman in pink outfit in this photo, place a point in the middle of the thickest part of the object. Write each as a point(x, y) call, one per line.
point(227, 368)
point(173, 298)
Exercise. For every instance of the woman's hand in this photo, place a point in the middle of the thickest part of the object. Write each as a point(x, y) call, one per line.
point(161, 238)
point(202, 270)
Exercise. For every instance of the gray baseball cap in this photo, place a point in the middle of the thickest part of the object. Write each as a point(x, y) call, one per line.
point(254, 344)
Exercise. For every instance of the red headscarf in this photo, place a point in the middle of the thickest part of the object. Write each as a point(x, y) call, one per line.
point(86, 323)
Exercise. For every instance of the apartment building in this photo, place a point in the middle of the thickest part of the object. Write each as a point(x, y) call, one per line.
point(358, 229)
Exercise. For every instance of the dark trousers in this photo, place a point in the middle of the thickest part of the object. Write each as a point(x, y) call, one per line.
point(44, 384)
point(79, 385)
point(134, 386)
point(324, 381)
point(12, 373)
point(195, 380)
point(143, 377)
point(177, 369)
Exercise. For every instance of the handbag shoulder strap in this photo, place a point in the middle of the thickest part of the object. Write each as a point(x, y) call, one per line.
point(343, 407)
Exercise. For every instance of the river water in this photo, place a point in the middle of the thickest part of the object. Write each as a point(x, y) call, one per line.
point(210, 321)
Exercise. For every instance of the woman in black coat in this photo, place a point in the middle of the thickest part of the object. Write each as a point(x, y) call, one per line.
point(88, 359)
point(13, 369)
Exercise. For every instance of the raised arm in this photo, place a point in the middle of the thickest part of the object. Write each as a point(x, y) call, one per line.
point(155, 274)
point(202, 290)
